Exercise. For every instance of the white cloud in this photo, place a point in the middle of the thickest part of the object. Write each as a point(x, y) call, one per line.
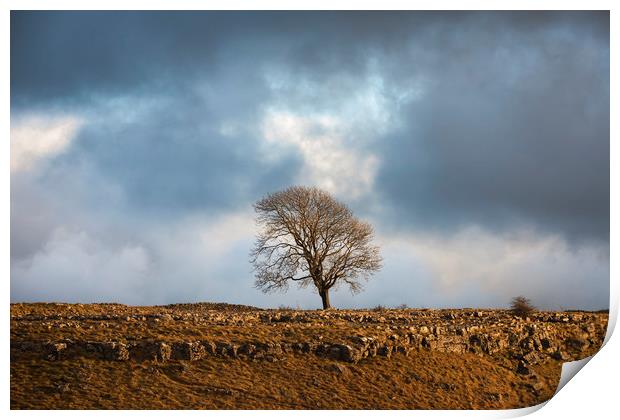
point(499, 266)
point(329, 162)
point(333, 126)
point(35, 138)
point(206, 238)
point(195, 258)
point(75, 266)
point(205, 258)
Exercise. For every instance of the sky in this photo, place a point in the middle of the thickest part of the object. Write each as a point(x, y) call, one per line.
point(475, 143)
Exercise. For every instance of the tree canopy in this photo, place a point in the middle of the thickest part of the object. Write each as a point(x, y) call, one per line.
point(307, 237)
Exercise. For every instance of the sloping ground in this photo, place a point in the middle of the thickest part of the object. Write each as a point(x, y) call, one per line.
point(231, 356)
point(422, 380)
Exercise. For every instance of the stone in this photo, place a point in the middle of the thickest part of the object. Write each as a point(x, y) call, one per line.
point(459, 348)
point(247, 349)
point(63, 387)
point(385, 351)
point(188, 351)
point(360, 341)
point(323, 349)
point(231, 350)
point(522, 368)
point(286, 347)
point(209, 346)
point(531, 358)
point(350, 354)
point(337, 368)
point(309, 347)
point(402, 350)
point(334, 352)
point(114, 351)
point(55, 350)
point(576, 344)
point(273, 348)
point(160, 352)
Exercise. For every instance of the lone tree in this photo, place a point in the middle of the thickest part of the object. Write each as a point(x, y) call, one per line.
point(309, 238)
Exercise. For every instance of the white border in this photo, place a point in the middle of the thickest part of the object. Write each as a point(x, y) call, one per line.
point(592, 395)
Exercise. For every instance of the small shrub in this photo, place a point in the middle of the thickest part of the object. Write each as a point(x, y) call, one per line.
point(402, 306)
point(379, 308)
point(521, 306)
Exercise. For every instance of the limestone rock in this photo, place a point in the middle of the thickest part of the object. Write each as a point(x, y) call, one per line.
point(522, 368)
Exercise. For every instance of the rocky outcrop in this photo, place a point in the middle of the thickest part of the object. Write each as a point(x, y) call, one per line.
point(530, 347)
point(543, 336)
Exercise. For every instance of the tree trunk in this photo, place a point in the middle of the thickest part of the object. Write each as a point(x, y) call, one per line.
point(325, 298)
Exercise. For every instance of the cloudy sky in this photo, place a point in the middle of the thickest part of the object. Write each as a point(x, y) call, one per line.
point(477, 144)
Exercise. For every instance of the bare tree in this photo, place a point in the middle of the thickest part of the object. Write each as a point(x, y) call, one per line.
point(309, 238)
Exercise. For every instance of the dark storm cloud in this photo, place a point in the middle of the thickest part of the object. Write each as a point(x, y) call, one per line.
point(513, 126)
point(173, 157)
point(72, 55)
point(498, 120)
point(66, 54)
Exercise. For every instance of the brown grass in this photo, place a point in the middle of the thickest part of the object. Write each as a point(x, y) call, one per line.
point(422, 380)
